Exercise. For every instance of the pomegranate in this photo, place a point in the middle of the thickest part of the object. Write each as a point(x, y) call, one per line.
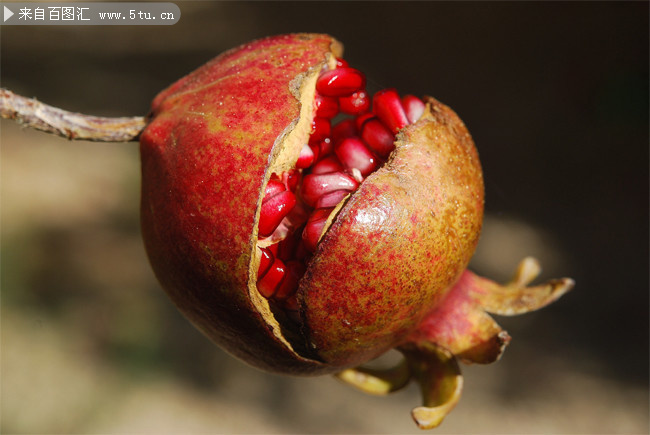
point(308, 227)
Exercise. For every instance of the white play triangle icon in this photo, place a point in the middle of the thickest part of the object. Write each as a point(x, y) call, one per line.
point(8, 13)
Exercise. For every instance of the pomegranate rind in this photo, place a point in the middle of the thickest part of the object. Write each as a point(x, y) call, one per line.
point(206, 155)
point(398, 245)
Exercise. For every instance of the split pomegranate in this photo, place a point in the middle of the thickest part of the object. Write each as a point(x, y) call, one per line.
point(329, 174)
point(308, 226)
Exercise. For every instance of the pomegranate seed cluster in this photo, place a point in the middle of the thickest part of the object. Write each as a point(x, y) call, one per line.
point(297, 204)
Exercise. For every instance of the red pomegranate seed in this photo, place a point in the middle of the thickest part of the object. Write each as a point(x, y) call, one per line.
point(340, 82)
point(326, 107)
point(273, 249)
point(292, 179)
point(273, 187)
point(331, 199)
point(265, 262)
point(287, 288)
point(274, 210)
point(301, 253)
point(340, 63)
point(327, 165)
point(314, 227)
point(315, 149)
point(326, 147)
point(306, 158)
point(362, 119)
point(320, 129)
point(378, 137)
point(353, 153)
point(316, 185)
point(343, 129)
point(291, 305)
point(413, 106)
point(295, 271)
point(269, 283)
point(355, 104)
point(287, 246)
point(387, 106)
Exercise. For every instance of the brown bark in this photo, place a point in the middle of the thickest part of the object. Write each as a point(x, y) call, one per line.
point(34, 114)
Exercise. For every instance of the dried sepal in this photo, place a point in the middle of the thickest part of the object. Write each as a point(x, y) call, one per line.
point(377, 381)
point(441, 383)
point(515, 297)
point(433, 367)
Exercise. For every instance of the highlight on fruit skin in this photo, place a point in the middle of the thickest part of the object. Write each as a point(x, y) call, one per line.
point(308, 227)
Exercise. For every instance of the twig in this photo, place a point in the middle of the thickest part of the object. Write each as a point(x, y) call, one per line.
point(34, 114)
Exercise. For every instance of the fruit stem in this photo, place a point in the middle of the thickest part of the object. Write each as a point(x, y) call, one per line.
point(77, 126)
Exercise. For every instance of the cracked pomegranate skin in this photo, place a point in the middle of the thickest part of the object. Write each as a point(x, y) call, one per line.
point(403, 238)
point(389, 257)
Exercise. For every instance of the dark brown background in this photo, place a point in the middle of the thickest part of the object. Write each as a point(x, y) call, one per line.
point(556, 97)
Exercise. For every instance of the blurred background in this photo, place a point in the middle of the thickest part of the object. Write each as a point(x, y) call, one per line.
point(556, 98)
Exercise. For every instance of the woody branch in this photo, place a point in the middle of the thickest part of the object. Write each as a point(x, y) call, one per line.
point(34, 114)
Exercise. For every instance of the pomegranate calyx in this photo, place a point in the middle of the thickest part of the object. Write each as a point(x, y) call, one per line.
point(458, 328)
point(461, 323)
point(461, 326)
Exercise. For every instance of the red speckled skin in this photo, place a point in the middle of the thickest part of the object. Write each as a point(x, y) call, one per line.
point(397, 246)
point(204, 156)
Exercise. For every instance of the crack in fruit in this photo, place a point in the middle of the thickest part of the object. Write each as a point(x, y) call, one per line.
point(330, 166)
